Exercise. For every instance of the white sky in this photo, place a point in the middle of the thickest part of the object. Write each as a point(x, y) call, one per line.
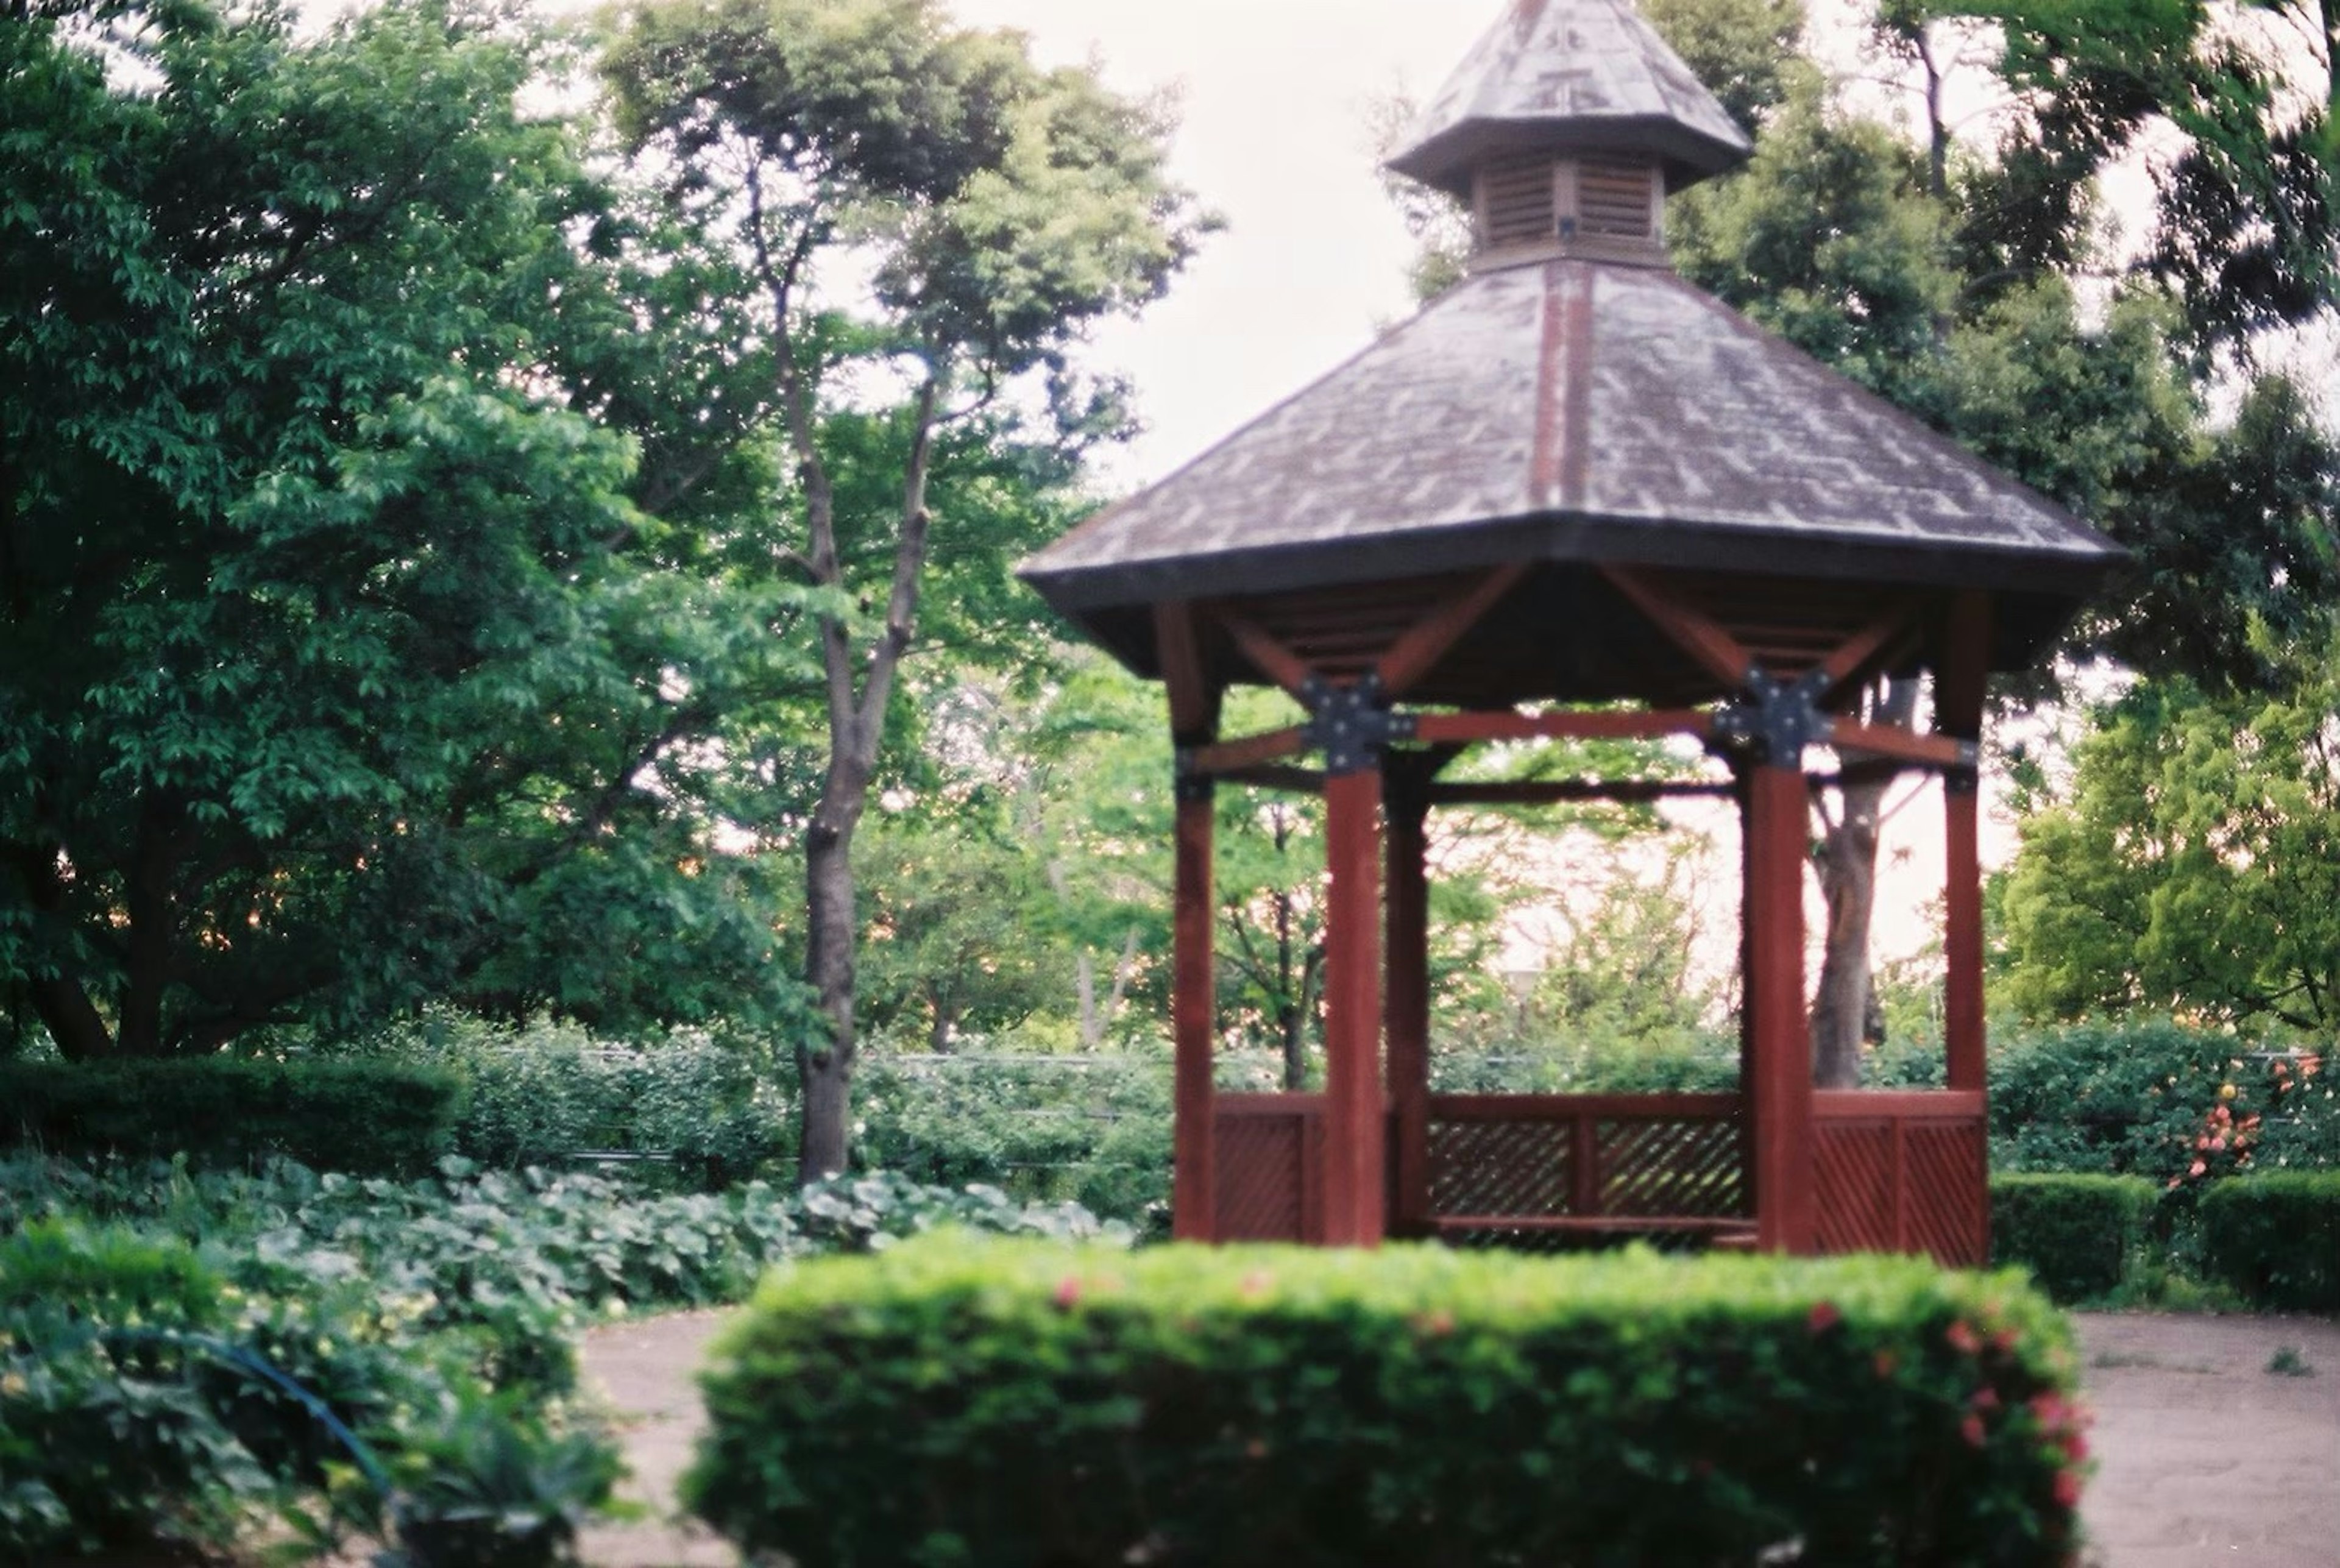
point(1274, 136)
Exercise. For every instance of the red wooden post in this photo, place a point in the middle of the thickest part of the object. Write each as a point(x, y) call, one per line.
point(1406, 1007)
point(1352, 1010)
point(1958, 711)
point(1779, 1079)
point(1193, 994)
point(1193, 1165)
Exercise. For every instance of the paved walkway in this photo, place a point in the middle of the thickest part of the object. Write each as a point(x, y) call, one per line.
point(2205, 1456)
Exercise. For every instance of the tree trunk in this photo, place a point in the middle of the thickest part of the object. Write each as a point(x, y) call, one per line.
point(1847, 862)
point(826, 1066)
point(1085, 988)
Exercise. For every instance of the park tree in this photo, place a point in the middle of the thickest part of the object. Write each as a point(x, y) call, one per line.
point(339, 667)
point(925, 222)
point(2188, 865)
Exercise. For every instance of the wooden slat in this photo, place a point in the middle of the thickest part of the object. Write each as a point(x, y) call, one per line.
point(1268, 775)
point(1558, 791)
point(1891, 741)
point(1294, 1104)
point(1226, 756)
point(1415, 654)
point(1907, 1104)
point(1563, 1107)
point(1576, 726)
point(1267, 656)
point(1692, 630)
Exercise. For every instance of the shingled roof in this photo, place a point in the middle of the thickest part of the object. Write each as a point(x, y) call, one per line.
point(1573, 411)
point(1564, 414)
point(1570, 75)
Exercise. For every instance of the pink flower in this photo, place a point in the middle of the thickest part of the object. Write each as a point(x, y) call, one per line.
point(1823, 1317)
point(1972, 1430)
point(1961, 1338)
point(2196, 1168)
point(1068, 1291)
point(2068, 1489)
point(1985, 1399)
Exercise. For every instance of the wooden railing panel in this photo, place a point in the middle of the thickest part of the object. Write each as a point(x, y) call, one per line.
point(1269, 1165)
point(1906, 1171)
point(1587, 1162)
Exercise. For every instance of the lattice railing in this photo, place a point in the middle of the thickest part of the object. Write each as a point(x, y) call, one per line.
point(1587, 1162)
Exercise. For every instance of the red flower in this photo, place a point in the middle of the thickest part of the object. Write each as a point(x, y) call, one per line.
point(1961, 1338)
point(1823, 1317)
point(2068, 1489)
point(1985, 1399)
point(1971, 1430)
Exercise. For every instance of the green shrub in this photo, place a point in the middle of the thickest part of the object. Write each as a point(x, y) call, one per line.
point(2075, 1234)
point(2276, 1239)
point(140, 1413)
point(989, 1406)
point(366, 1117)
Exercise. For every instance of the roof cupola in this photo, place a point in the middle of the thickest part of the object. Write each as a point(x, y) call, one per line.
point(1564, 130)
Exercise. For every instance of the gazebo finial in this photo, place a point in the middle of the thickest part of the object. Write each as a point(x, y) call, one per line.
point(1565, 128)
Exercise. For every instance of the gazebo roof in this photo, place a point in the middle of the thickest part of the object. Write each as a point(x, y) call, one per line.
point(1570, 75)
point(1572, 410)
point(1573, 416)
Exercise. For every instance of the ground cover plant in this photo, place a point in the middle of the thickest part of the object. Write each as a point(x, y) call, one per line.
point(433, 1318)
point(1254, 1406)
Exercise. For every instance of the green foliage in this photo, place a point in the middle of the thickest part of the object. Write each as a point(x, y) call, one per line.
point(1747, 51)
point(2276, 1239)
point(2191, 865)
point(366, 1117)
point(133, 1418)
point(1254, 1405)
point(2154, 1098)
point(704, 1112)
point(337, 655)
point(2075, 1234)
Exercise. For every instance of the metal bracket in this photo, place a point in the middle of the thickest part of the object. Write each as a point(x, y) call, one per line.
point(1772, 721)
point(1190, 786)
point(1965, 777)
point(1352, 725)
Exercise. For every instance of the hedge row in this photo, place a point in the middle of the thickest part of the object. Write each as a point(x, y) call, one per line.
point(2276, 1239)
point(368, 1118)
point(2075, 1234)
point(988, 1405)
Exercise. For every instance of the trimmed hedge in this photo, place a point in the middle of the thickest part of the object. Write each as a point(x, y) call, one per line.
point(2276, 1239)
point(984, 1405)
point(368, 1118)
point(2075, 1234)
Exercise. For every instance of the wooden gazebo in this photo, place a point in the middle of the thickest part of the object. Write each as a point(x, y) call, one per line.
point(1571, 484)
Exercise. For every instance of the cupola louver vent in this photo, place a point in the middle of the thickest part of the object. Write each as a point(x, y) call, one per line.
point(1602, 208)
point(1516, 205)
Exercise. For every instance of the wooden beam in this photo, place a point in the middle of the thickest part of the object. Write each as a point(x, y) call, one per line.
point(1907, 745)
point(1692, 630)
point(1568, 726)
point(1898, 1104)
point(1684, 1107)
point(1406, 1001)
point(1420, 647)
point(1557, 791)
point(1779, 1076)
point(1292, 780)
point(1228, 756)
point(1354, 1119)
point(1864, 645)
point(1267, 656)
point(1178, 649)
point(1958, 711)
point(1194, 1007)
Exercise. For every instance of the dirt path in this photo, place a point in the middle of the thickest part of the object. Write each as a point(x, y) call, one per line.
point(2205, 1456)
